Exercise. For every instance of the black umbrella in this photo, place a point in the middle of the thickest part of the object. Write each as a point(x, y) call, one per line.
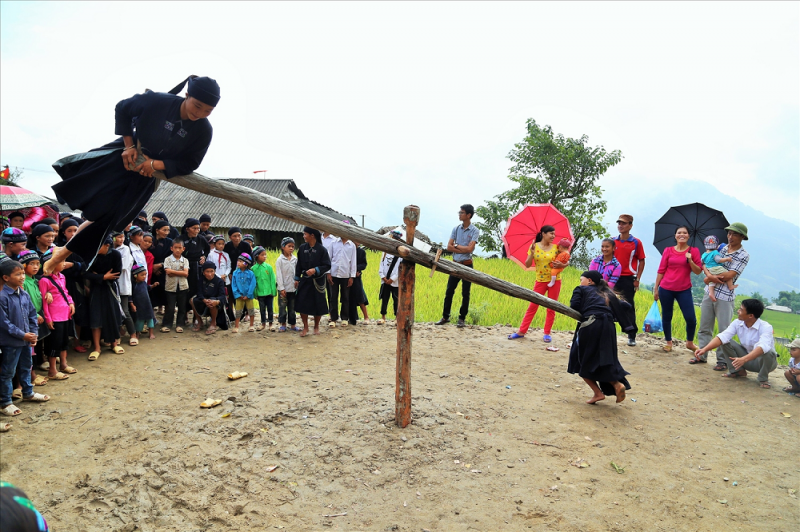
point(702, 221)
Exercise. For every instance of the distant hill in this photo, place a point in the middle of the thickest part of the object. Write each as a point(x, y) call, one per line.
point(774, 245)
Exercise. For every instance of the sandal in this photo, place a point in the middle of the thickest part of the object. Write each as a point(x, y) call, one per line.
point(547, 338)
point(58, 377)
point(736, 375)
point(297, 328)
point(80, 349)
point(791, 389)
point(697, 361)
point(178, 329)
point(94, 355)
point(11, 410)
point(666, 348)
point(5, 427)
point(165, 329)
point(118, 350)
point(211, 329)
point(251, 329)
point(766, 385)
point(70, 370)
point(196, 327)
point(133, 341)
point(37, 398)
point(39, 381)
point(720, 367)
point(381, 322)
point(515, 336)
point(16, 394)
point(282, 328)
point(344, 324)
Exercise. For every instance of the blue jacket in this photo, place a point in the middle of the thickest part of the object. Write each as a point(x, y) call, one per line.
point(243, 283)
point(17, 317)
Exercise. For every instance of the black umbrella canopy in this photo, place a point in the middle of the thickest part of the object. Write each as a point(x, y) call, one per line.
point(702, 221)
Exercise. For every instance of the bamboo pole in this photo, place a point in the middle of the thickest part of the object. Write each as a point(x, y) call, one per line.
point(282, 209)
point(405, 323)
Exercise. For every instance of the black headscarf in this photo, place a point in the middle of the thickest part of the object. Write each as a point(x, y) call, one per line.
point(203, 88)
point(593, 276)
point(312, 231)
point(61, 238)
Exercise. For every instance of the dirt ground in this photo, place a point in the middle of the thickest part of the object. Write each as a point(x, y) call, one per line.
point(499, 435)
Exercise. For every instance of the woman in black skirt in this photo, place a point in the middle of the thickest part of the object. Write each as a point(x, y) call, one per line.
point(593, 355)
point(313, 264)
point(162, 248)
point(109, 187)
point(105, 312)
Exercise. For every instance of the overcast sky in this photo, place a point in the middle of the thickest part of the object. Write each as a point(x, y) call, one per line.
point(372, 106)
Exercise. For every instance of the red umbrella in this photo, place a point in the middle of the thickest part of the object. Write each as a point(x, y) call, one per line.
point(33, 206)
point(522, 227)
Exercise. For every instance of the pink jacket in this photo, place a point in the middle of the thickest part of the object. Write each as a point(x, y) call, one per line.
point(58, 310)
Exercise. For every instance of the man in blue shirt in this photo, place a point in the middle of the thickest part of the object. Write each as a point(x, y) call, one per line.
point(461, 245)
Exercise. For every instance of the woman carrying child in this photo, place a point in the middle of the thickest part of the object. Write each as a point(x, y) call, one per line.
point(593, 354)
point(606, 263)
point(313, 265)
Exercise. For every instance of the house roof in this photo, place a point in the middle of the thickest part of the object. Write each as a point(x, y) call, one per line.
point(179, 203)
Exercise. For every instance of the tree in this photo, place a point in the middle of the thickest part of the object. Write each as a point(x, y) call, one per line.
point(14, 177)
point(788, 299)
point(550, 168)
point(757, 295)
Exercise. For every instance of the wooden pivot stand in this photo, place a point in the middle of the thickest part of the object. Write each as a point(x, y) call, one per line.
point(405, 322)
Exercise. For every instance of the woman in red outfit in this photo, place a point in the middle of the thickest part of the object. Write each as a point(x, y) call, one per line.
point(674, 283)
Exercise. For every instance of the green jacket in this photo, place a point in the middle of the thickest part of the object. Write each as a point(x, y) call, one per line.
point(266, 285)
point(31, 286)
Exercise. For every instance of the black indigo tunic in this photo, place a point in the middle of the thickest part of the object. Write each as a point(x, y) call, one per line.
point(311, 296)
point(108, 194)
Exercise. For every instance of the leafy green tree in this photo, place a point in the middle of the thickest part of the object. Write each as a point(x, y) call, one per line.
point(551, 168)
point(788, 299)
point(757, 295)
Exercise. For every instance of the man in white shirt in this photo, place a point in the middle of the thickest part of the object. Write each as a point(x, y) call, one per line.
point(755, 350)
point(327, 242)
point(340, 277)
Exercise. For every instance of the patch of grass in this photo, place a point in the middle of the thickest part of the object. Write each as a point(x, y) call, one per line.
point(784, 324)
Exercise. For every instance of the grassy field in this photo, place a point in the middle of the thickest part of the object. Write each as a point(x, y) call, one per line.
point(785, 325)
point(490, 308)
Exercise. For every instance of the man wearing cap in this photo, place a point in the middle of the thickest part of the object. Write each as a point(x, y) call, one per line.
point(629, 251)
point(721, 310)
point(755, 350)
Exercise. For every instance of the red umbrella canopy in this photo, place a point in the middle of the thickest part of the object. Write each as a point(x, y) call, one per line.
point(33, 206)
point(522, 227)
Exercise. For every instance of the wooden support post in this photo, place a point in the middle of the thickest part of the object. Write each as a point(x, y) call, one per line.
point(405, 323)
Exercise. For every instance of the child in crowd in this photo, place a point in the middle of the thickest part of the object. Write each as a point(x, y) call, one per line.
point(147, 244)
point(17, 220)
point(265, 286)
point(105, 314)
point(14, 241)
point(17, 336)
point(176, 288)
point(249, 240)
point(243, 284)
point(31, 264)
point(235, 247)
point(389, 272)
point(221, 260)
point(563, 257)
point(58, 311)
point(124, 283)
point(140, 301)
point(41, 240)
point(287, 286)
point(210, 299)
point(793, 373)
point(713, 262)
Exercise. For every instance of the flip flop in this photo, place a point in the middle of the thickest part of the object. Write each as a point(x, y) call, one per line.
point(94, 355)
point(133, 341)
point(58, 377)
point(790, 389)
point(381, 322)
point(211, 329)
point(118, 350)
point(720, 367)
point(210, 403)
point(11, 410)
point(69, 369)
point(251, 329)
point(547, 338)
point(697, 361)
point(666, 348)
point(282, 329)
point(37, 398)
point(165, 329)
point(80, 349)
point(39, 381)
point(765, 385)
point(515, 336)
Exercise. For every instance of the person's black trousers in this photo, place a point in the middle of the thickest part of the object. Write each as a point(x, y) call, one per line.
point(340, 286)
point(625, 287)
point(452, 283)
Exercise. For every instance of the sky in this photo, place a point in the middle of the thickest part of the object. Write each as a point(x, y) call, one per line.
point(373, 106)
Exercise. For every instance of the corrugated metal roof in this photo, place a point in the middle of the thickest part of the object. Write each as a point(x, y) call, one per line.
point(179, 203)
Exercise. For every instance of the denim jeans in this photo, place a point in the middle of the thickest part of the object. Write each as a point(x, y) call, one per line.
point(16, 360)
point(684, 299)
point(286, 309)
point(265, 306)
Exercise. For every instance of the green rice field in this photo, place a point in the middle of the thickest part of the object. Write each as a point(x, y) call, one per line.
point(490, 308)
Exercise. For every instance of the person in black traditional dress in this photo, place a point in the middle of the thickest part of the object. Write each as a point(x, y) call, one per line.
point(195, 249)
point(174, 134)
point(159, 216)
point(593, 355)
point(105, 312)
point(310, 275)
point(74, 266)
point(162, 248)
point(358, 298)
point(235, 247)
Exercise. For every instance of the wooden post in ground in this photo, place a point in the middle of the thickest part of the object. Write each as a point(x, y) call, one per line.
point(405, 322)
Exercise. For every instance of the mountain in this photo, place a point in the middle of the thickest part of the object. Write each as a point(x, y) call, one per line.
point(774, 245)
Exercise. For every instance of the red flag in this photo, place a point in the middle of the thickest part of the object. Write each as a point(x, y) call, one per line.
point(4, 173)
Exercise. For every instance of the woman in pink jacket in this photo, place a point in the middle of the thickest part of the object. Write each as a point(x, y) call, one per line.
point(674, 283)
point(57, 316)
